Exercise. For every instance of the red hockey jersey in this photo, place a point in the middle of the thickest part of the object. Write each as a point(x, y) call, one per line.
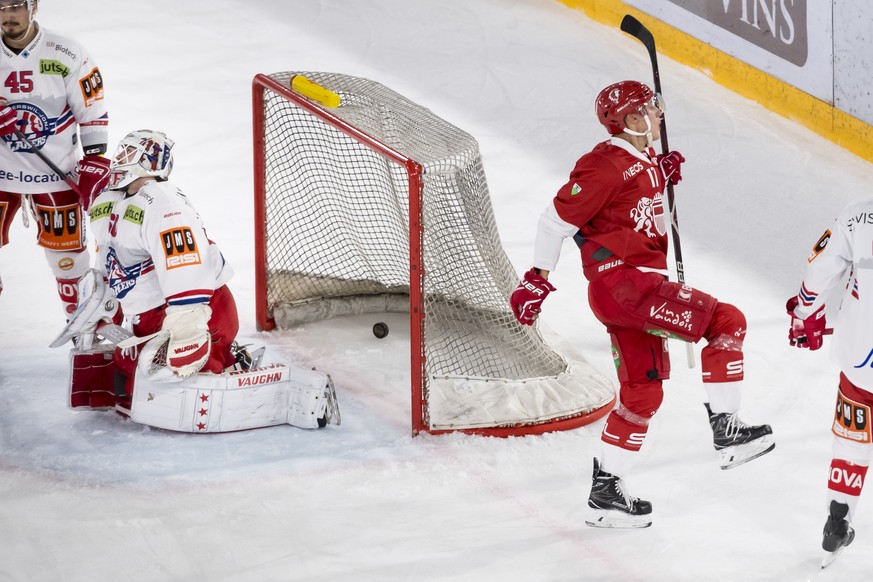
point(615, 197)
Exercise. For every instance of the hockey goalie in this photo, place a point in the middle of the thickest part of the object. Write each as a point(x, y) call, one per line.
point(178, 366)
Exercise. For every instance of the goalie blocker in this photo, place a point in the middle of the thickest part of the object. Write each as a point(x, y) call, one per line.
point(231, 401)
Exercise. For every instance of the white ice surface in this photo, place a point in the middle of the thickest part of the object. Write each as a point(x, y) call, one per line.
point(89, 497)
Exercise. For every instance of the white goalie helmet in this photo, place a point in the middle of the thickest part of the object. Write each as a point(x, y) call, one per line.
point(141, 154)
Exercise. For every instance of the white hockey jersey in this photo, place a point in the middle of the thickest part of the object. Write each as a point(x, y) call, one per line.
point(53, 86)
point(840, 267)
point(154, 250)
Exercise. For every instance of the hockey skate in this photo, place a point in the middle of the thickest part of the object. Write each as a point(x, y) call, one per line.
point(837, 533)
point(610, 505)
point(738, 442)
point(245, 359)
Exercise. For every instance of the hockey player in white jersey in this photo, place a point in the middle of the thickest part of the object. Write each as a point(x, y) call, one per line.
point(51, 95)
point(182, 369)
point(839, 274)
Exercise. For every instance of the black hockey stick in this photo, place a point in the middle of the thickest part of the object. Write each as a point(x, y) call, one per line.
point(54, 167)
point(635, 28)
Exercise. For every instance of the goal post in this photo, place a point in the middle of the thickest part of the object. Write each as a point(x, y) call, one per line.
point(366, 202)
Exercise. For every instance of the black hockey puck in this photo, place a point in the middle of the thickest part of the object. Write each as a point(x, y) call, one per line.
point(380, 329)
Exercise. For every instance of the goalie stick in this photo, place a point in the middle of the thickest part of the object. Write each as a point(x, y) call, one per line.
point(635, 28)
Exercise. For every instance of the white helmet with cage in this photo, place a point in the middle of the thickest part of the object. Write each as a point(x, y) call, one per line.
point(141, 154)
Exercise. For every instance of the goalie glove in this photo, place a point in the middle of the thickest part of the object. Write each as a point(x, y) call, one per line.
point(528, 297)
point(809, 332)
point(185, 333)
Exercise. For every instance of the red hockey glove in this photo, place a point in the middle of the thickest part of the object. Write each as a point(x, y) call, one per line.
point(809, 332)
point(528, 297)
point(671, 166)
point(8, 120)
point(93, 174)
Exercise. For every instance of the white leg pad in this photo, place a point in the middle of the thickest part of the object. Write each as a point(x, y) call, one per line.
point(231, 401)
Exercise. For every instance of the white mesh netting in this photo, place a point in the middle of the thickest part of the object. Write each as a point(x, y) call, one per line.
point(337, 242)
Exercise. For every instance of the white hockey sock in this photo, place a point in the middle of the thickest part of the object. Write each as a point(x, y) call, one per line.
point(724, 396)
point(616, 460)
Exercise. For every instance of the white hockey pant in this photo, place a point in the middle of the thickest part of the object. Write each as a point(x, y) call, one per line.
point(232, 401)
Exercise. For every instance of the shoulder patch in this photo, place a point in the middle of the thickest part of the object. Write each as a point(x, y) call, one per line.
point(180, 248)
point(820, 245)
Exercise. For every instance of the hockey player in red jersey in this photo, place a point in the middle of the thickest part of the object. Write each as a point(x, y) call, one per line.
point(837, 274)
point(613, 208)
point(181, 370)
point(52, 95)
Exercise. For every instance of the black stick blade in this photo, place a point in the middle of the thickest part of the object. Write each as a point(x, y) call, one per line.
point(635, 28)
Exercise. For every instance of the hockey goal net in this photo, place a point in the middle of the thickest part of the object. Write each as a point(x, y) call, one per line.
point(378, 205)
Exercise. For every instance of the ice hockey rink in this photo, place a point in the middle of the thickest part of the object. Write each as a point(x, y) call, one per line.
point(87, 496)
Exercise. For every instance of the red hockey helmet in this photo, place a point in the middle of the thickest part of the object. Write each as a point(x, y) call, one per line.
point(620, 99)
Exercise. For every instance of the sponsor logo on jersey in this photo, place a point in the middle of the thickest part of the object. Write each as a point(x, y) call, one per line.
point(575, 190)
point(820, 245)
point(180, 248)
point(102, 210)
point(49, 67)
point(632, 171)
point(134, 214)
point(851, 419)
point(863, 218)
point(62, 49)
point(92, 87)
point(66, 263)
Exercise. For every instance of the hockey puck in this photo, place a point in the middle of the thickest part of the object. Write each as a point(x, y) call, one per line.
point(380, 329)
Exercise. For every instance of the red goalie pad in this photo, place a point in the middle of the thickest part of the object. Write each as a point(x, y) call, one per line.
point(92, 379)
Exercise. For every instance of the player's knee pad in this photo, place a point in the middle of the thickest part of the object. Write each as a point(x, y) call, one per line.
point(639, 356)
point(727, 321)
point(627, 425)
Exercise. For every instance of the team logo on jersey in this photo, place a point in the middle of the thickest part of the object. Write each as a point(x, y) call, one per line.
point(36, 126)
point(122, 279)
point(820, 246)
point(92, 87)
point(851, 419)
point(180, 248)
point(649, 216)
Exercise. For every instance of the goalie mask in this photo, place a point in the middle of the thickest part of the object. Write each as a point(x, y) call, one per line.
point(621, 99)
point(141, 154)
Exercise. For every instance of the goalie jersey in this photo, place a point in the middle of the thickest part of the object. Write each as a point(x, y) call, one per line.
point(841, 263)
point(53, 85)
point(154, 250)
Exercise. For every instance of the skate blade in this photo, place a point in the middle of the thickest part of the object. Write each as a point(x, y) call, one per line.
point(831, 556)
point(741, 454)
point(616, 519)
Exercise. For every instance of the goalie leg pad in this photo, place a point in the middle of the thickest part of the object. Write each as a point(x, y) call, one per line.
point(235, 401)
point(312, 403)
point(92, 379)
